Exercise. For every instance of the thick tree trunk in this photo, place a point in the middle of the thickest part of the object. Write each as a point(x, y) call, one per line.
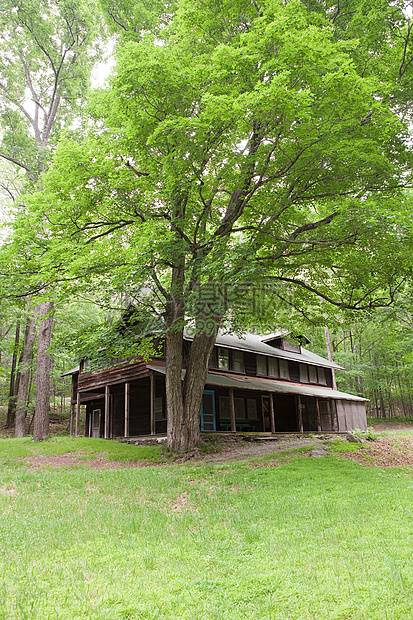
point(194, 383)
point(177, 438)
point(184, 397)
point(25, 373)
point(41, 418)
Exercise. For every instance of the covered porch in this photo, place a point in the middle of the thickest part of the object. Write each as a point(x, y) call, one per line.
point(230, 403)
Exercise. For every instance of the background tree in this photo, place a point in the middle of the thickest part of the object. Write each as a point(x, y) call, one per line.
point(259, 144)
point(48, 50)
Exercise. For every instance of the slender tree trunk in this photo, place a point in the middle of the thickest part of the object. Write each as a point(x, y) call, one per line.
point(12, 390)
point(41, 418)
point(26, 362)
point(330, 355)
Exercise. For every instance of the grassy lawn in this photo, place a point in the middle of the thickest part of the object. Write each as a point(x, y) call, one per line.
point(82, 447)
point(305, 538)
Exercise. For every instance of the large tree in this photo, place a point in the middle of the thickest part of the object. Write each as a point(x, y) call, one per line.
point(48, 49)
point(243, 143)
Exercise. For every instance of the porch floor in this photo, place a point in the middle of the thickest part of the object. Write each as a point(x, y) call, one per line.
point(248, 436)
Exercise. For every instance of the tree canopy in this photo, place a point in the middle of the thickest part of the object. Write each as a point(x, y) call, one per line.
point(239, 144)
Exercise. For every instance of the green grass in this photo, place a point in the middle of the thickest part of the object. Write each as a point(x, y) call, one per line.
point(84, 447)
point(400, 419)
point(307, 539)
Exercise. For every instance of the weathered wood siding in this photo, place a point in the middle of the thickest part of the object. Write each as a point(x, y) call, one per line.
point(126, 372)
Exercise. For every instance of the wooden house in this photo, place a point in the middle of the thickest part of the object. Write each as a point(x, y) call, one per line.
point(255, 384)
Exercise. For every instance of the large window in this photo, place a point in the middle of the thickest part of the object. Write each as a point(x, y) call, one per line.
point(252, 411)
point(213, 359)
point(245, 408)
point(312, 374)
point(322, 376)
point(237, 361)
point(284, 371)
point(224, 407)
point(273, 367)
point(223, 358)
point(261, 365)
point(239, 408)
point(303, 373)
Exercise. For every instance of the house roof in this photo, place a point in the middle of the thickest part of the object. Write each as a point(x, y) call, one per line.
point(255, 343)
point(266, 385)
point(71, 372)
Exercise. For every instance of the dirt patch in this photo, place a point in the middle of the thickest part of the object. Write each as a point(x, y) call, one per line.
point(386, 452)
point(254, 449)
point(70, 460)
point(391, 451)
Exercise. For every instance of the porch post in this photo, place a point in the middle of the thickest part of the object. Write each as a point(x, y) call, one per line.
point(272, 416)
point(152, 404)
point(127, 405)
point(107, 406)
point(232, 410)
point(77, 414)
point(318, 414)
point(72, 419)
point(300, 414)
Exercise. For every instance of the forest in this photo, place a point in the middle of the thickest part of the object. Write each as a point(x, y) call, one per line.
point(239, 165)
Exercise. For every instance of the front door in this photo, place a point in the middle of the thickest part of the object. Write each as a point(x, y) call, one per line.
point(95, 423)
point(208, 411)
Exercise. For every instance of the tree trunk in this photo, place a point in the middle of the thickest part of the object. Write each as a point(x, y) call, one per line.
point(12, 390)
point(25, 373)
point(41, 418)
point(176, 430)
point(184, 398)
point(330, 355)
point(194, 384)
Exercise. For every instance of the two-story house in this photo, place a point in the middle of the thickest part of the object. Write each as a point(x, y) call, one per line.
point(257, 383)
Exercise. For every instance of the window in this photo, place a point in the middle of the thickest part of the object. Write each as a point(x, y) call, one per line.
point(272, 367)
point(252, 412)
point(312, 373)
point(290, 345)
point(303, 373)
point(284, 371)
point(322, 376)
point(239, 408)
point(223, 358)
point(213, 359)
point(224, 407)
point(237, 361)
point(159, 408)
point(261, 365)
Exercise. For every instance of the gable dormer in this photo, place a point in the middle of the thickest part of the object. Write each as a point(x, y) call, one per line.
point(286, 341)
